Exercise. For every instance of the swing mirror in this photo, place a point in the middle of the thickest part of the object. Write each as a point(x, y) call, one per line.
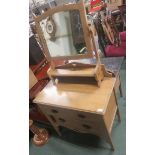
point(64, 34)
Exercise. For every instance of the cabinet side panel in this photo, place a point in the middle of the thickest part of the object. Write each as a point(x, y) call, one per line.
point(110, 112)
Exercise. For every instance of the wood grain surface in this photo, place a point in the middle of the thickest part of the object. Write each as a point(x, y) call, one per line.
point(82, 97)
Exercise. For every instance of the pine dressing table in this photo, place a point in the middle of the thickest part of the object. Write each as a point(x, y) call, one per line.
point(80, 96)
point(81, 107)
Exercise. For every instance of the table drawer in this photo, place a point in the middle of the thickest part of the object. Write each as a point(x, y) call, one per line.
point(69, 114)
point(81, 126)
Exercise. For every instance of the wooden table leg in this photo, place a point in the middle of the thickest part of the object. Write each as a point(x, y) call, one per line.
point(120, 89)
point(118, 113)
point(111, 144)
point(108, 137)
point(118, 85)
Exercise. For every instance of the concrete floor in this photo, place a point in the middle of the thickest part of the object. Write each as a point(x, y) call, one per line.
point(72, 143)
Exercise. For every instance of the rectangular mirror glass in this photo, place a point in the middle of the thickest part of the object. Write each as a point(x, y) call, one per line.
point(64, 33)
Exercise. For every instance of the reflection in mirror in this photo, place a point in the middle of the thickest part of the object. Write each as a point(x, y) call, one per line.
point(63, 34)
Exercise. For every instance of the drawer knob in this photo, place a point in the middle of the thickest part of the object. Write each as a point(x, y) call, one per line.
point(54, 111)
point(53, 119)
point(62, 120)
point(76, 130)
point(86, 126)
point(81, 116)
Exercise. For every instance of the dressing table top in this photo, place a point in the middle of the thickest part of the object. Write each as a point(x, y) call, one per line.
point(82, 97)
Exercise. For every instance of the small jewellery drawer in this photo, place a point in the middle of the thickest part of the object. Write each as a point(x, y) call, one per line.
point(69, 114)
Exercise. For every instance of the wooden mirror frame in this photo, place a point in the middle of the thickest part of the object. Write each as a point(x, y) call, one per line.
point(87, 37)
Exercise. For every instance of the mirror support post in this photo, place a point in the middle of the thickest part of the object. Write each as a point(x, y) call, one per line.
point(92, 33)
